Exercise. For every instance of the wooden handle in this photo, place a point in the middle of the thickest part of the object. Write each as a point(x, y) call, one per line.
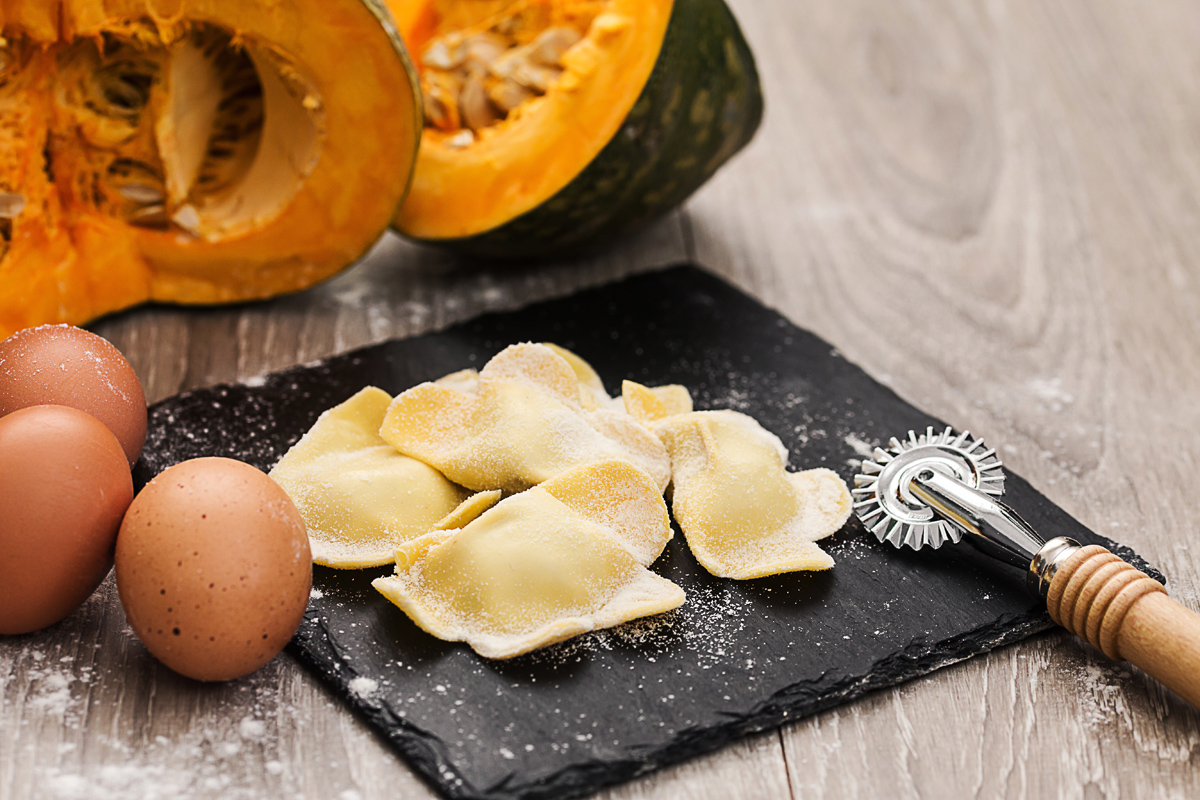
point(1128, 615)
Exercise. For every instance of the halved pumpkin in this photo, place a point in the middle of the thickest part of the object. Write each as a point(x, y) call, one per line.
point(559, 124)
point(197, 151)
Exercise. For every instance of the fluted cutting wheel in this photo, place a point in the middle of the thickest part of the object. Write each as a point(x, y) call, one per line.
point(885, 503)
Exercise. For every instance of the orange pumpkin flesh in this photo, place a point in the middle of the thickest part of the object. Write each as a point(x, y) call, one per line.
point(194, 151)
point(507, 168)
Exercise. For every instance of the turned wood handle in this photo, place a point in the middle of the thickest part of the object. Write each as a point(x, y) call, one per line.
point(1127, 614)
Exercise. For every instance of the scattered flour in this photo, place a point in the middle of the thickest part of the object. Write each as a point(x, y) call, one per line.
point(859, 445)
point(119, 782)
point(229, 753)
point(1102, 697)
point(252, 729)
point(363, 687)
point(54, 694)
point(1050, 391)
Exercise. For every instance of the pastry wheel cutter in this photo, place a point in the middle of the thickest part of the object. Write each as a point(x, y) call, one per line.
point(942, 487)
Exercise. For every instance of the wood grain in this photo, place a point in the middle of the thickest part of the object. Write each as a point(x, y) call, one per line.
point(993, 206)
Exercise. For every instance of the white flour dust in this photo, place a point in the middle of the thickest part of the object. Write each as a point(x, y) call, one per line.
point(237, 750)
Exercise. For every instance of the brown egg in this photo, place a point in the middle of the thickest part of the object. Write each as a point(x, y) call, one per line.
point(213, 568)
point(61, 365)
point(64, 486)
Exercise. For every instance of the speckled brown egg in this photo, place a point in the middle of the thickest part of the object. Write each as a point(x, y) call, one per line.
point(213, 568)
point(64, 486)
point(66, 366)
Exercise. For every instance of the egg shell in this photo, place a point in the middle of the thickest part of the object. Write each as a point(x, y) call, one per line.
point(64, 486)
point(66, 366)
point(213, 568)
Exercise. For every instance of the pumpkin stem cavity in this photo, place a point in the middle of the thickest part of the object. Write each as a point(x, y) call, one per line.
point(205, 135)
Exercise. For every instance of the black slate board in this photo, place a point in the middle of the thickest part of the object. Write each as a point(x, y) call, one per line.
point(736, 658)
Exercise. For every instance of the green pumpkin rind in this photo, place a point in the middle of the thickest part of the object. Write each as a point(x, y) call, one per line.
point(702, 103)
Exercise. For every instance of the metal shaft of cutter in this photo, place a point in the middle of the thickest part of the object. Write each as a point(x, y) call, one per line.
point(990, 525)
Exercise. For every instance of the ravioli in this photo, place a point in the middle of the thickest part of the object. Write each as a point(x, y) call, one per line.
point(360, 498)
point(648, 405)
point(560, 559)
point(743, 515)
point(465, 380)
point(621, 498)
point(592, 393)
point(468, 510)
point(524, 423)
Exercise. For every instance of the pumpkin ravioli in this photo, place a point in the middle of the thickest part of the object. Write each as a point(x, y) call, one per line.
point(560, 559)
point(524, 423)
point(742, 513)
point(360, 498)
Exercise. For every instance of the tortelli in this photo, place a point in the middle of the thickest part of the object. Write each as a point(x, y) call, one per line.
point(359, 497)
point(541, 566)
point(742, 513)
point(523, 425)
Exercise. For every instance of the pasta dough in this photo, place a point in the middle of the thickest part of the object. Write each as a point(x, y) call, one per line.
point(743, 515)
point(592, 394)
point(617, 496)
point(523, 425)
point(648, 405)
point(360, 498)
point(468, 510)
point(557, 560)
point(465, 380)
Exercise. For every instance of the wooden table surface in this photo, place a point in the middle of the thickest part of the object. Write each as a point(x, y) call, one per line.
point(991, 206)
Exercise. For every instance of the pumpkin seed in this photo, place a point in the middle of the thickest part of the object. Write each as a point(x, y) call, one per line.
point(506, 65)
point(548, 48)
point(442, 55)
point(440, 93)
point(187, 218)
point(441, 114)
point(535, 76)
point(524, 22)
point(132, 186)
point(150, 217)
point(464, 138)
point(142, 193)
point(508, 94)
point(483, 49)
point(11, 205)
point(473, 103)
